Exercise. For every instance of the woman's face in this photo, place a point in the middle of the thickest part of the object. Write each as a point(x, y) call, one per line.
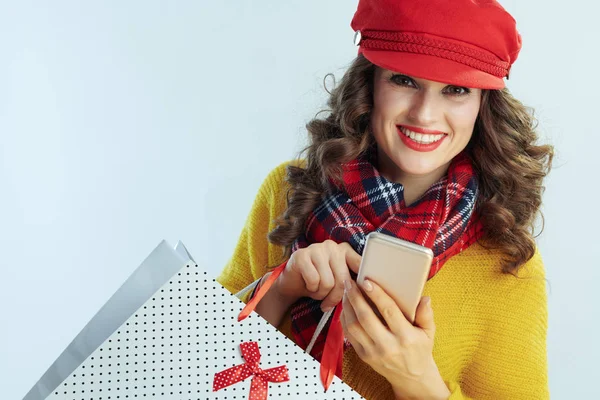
point(420, 125)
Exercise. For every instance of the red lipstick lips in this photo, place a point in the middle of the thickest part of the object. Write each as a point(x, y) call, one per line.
point(417, 146)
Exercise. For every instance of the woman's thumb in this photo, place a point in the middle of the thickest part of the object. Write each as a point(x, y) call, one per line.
point(424, 316)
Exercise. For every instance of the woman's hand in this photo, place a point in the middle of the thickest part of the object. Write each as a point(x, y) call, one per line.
point(318, 271)
point(401, 352)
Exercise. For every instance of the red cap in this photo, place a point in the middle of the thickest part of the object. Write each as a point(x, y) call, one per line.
point(470, 43)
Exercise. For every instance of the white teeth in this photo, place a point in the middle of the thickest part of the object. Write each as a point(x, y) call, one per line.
point(420, 138)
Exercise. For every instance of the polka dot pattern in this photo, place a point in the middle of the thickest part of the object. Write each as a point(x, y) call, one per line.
point(172, 347)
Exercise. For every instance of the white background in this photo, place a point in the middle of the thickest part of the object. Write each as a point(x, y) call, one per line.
point(123, 123)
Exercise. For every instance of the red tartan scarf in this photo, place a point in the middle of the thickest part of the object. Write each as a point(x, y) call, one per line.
point(365, 202)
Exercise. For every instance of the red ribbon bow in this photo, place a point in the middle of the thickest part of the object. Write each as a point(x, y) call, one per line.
point(260, 378)
point(333, 353)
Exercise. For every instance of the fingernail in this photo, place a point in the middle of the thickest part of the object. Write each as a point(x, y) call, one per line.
point(347, 285)
point(428, 301)
point(326, 309)
point(367, 285)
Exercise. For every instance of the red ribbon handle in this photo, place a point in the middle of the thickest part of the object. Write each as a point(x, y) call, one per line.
point(260, 378)
point(251, 305)
point(333, 352)
point(331, 360)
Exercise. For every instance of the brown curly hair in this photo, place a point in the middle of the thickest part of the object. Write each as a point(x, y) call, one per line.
point(510, 165)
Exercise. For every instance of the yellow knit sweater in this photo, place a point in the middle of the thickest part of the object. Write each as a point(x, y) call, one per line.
point(491, 327)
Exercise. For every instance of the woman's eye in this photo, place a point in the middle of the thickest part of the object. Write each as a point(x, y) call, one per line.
point(457, 90)
point(402, 80)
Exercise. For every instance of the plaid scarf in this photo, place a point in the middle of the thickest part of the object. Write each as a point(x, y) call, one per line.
point(364, 202)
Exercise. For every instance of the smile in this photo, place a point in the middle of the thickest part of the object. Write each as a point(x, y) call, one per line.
point(422, 142)
point(421, 138)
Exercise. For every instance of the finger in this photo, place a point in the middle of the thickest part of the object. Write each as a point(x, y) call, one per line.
point(341, 273)
point(424, 317)
point(326, 281)
point(389, 310)
point(358, 348)
point(365, 315)
point(353, 259)
point(301, 264)
point(354, 326)
point(355, 344)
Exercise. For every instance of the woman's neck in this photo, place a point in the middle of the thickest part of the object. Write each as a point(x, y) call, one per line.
point(414, 185)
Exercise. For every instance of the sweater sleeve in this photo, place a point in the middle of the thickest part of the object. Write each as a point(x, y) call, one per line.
point(511, 359)
point(253, 254)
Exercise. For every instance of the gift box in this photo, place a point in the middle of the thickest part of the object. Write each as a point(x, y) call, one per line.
point(172, 332)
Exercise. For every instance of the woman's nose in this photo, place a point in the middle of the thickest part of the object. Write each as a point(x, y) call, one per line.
point(424, 109)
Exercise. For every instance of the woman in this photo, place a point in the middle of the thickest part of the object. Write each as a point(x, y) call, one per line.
point(422, 142)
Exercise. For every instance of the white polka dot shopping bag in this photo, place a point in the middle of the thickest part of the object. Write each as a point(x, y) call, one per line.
point(171, 332)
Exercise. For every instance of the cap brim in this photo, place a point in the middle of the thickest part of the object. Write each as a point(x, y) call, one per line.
point(433, 68)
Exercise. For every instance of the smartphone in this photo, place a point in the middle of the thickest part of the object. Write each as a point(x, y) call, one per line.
point(400, 267)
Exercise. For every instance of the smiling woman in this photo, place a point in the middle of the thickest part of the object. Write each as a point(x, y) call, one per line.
point(420, 126)
point(422, 142)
